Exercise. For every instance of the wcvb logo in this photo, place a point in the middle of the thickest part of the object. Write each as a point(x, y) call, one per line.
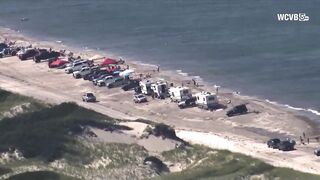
point(293, 17)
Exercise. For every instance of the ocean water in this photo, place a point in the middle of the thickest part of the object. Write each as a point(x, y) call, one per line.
point(238, 44)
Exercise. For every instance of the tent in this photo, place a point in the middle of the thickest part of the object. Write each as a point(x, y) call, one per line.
point(57, 63)
point(108, 61)
point(96, 57)
point(113, 68)
point(126, 73)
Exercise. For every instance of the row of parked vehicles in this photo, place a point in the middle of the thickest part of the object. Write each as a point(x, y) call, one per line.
point(112, 76)
point(8, 50)
point(37, 55)
point(286, 145)
point(109, 74)
point(25, 53)
point(283, 145)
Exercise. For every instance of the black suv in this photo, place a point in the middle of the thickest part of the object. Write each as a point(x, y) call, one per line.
point(11, 51)
point(237, 110)
point(284, 145)
point(131, 85)
point(45, 54)
point(273, 143)
point(3, 46)
point(287, 145)
point(30, 53)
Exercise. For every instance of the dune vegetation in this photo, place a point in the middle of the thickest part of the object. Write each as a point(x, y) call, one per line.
point(54, 142)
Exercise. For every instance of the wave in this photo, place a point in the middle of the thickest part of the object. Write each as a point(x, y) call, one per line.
point(294, 108)
point(314, 112)
point(182, 73)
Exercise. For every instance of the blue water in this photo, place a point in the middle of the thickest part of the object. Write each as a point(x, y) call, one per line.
point(238, 44)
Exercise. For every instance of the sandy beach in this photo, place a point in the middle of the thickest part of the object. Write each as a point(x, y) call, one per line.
point(245, 134)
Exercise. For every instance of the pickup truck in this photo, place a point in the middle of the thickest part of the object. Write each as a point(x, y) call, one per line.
point(102, 82)
point(76, 67)
point(115, 82)
point(89, 97)
point(82, 72)
point(139, 98)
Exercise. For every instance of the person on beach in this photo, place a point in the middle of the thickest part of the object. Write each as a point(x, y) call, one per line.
point(127, 66)
point(158, 68)
point(301, 140)
point(194, 82)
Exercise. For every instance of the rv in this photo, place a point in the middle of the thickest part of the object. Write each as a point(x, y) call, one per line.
point(159, 89)
point(146, 87)
point(178, 94)
point(206, 100)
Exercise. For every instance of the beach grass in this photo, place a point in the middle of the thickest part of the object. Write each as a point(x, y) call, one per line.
point(54, 132)
point(41, 175)
point(206, 163)
point(49, 133)
point(4, 170)
point(10, 100)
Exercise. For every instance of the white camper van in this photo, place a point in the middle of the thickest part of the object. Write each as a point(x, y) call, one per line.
point(146, 87)
point(178, 94)
point(206, 100)
point(159, 89)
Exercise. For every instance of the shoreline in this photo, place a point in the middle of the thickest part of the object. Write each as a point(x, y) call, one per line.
point(308, 112)
point(240, 128)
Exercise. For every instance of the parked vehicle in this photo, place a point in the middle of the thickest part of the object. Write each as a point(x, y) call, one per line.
point(139, 98)
point(317, 152)
point(57, 63)
point(207, 100)
point(29, 53)
point(3, 46)
point(283, 145)
point(287, 145)
point(81, 72)
point(45, 54)
point(159, 89)
point(146, 87)
point(89, 97)
point(100, 77)
point(10, 51)
point(96, 74)
point(131, 85)
point(115, 82)
point(273, 143)
point(178, 94)
point(237, 110)
point(187, 103)
point(102, 82)
point(76, 67)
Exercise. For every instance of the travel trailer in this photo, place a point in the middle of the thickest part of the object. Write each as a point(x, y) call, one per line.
point(178, 94)
point(146, 87)
point(159, 89)
point(206, 100)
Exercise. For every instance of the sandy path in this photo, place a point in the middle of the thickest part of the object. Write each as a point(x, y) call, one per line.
point(298, 160)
